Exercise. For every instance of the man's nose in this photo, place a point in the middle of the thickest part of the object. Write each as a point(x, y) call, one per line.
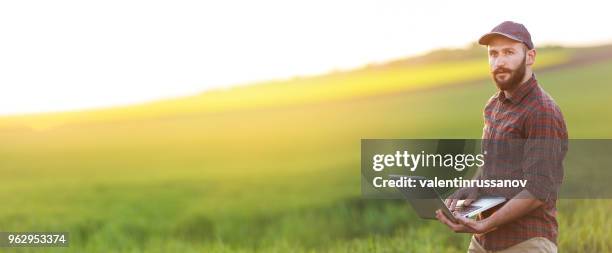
point(498, 62)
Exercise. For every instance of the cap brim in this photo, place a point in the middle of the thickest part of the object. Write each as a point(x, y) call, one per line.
point(485, 39)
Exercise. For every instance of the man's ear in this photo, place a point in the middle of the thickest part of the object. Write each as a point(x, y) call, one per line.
point(531, 54)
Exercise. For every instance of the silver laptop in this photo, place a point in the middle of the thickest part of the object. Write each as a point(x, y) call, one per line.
point(426, 201)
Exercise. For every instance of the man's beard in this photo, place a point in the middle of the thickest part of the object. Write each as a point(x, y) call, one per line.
point(515, 78)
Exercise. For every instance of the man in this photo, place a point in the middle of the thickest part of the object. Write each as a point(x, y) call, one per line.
point(521, 109)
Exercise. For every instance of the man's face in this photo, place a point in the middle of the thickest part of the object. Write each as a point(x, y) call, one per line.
point(507, 60)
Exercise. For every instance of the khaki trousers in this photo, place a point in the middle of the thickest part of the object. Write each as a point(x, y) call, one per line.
point(533, 245)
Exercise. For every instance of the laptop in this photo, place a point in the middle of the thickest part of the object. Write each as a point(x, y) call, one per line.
point(426, 200)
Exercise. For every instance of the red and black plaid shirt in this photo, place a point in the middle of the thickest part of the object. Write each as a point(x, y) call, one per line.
point(529, 114)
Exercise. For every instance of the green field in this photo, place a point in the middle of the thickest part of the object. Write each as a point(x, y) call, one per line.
point(274, 167)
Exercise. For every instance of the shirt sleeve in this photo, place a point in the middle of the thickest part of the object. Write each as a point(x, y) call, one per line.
point(543, 152)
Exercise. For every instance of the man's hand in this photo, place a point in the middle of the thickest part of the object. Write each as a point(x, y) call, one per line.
point(468, 195)
point(515, 208)
point(465, 225)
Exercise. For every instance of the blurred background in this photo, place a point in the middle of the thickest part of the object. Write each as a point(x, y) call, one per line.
point(235, 127)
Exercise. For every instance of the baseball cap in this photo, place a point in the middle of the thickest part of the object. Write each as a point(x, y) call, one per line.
point(511, 30)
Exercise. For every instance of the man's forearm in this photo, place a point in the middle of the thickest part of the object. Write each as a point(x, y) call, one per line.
point(518, 206)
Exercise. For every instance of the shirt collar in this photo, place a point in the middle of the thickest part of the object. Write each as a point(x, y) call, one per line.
point(520, 92)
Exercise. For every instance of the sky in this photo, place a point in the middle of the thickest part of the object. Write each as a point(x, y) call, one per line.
point(73, 55)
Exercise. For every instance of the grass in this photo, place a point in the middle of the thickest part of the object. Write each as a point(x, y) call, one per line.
point(264, 178)
point(403, 75)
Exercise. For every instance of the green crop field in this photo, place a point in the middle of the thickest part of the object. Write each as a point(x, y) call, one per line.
point(273, 167)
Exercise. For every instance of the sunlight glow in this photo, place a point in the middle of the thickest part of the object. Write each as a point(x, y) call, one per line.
point(68, 55)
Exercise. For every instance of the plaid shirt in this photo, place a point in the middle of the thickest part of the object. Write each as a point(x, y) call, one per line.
point(530, 114)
